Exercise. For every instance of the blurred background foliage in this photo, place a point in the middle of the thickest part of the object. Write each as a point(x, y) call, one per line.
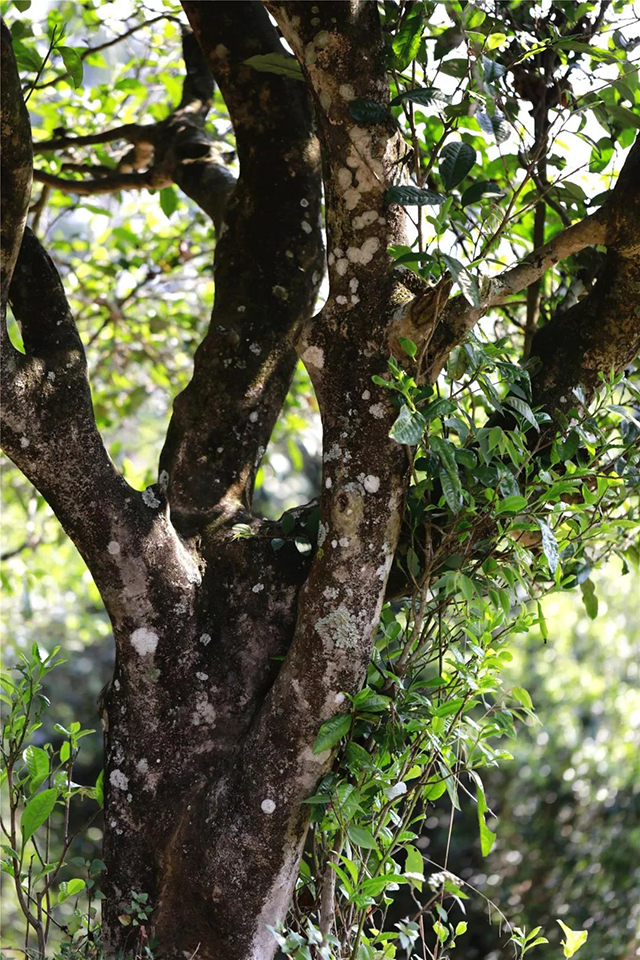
point(137, 269)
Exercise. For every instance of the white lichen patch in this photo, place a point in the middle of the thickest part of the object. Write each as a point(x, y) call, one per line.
point(342, 266)
point(371, 483)
point(253, 416)
point(365, 253)
point(144, 641)
point(377, 410)
point(255, 348)
point(339, 628)
point(330, 593)
point(24, 442)
point(304, 202)
point(205, 639)
point(334, 453)
point(150, 499)
point(113, 547)
point(204, 712)
point(314, 356)
point(339, 698)
point(257, 588)
point(202, 676)
point(142, 766)
point(51, 376)
point(322, 533)
point(345, 178)
point(365, 219)
point(267, 805)
point(341, 300)
point(347, 92)
point(328, 483)
point(306, 227)
point(366, 395)
point(118, 780)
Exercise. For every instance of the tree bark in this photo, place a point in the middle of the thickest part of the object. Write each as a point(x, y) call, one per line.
point(231, 655)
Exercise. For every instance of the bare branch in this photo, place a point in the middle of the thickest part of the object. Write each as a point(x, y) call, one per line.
point(152, 179)
point(133, 132)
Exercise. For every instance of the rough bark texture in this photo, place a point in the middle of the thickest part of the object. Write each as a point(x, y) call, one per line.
point(208, 733)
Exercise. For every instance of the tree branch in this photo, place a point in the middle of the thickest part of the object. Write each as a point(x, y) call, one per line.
point(16, 166)
point(133, 132)
point(151, 179)
point(612, 225)
point(244, 366)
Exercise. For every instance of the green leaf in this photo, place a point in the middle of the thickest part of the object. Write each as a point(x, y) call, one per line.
point(495, 41)
point(73, 65)
point(408, 346)
point(331, 732)
point(36, 812)
point(574, 939)
point(589, 598)
point(512, 504)
point(542, 622)
point(456, 160)
point(493, 125)
point(522, 696)
point(524, 410)
point(65, 752)
point(465, 281)
point(361, 837)
point(168, 200)
point(368, 111)
point(487, 837)
point(414, 197)
point(549, 546)
point(452, 491)
point(99, 788)
point(492, 70)
point(567, 449)
point(406, 42)
point(37, 761)
point(70, 888)
point(409, 427)
point(279, 63)
point(414, 864)
point(425, 96)
point(482, 188)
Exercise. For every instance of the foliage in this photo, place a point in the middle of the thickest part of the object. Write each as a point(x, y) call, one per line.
point(517, 506)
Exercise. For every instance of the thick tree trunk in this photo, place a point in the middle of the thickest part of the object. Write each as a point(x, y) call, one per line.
point(230, 655)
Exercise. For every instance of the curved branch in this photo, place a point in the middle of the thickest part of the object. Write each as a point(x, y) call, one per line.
point(614, 225)
point(133, 132)
point(152, 179)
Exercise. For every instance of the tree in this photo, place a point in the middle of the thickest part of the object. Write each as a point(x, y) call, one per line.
point(243, 644)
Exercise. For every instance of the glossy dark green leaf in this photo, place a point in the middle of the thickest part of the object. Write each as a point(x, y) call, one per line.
point(481, 189)
point(425, 96)
point(331, 732)
point(409, 427)
point(464, 279)
point(414, 197)
point(368, 111)
point(406, 42)
point(549, 546)
point(456, 160)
